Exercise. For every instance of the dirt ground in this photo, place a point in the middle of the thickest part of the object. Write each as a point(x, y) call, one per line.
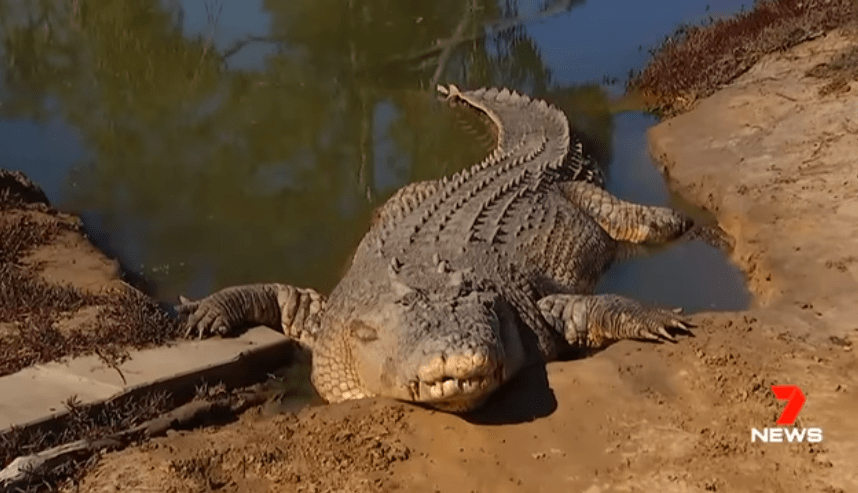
point(773, 155)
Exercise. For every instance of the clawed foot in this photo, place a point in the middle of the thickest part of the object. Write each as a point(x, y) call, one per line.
point(713, 236)
point(655, 324)
point(204, 317)
point(595, 321)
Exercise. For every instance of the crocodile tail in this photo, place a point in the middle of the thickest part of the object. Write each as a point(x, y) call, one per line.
point(518, 119)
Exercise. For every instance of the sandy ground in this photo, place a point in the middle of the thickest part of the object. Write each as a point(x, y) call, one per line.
point(776, 161)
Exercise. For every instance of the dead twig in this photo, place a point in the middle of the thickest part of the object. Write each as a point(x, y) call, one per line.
point(213, 18)
point(26, 469)
point(455, 41)
point(495, 27)
point(113, 362)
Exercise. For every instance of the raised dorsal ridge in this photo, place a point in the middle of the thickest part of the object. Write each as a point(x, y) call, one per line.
point(399, 287)
point(456, 278)
point(450, 90)
point(532, 135)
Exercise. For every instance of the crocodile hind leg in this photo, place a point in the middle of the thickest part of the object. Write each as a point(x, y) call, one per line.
point(297, 311)
point(594, 321)
point(636, 224)
point(626, 221)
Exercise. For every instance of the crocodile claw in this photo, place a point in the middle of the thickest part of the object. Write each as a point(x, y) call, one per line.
point(662, 332)
point(202, 318)
point(654, 324)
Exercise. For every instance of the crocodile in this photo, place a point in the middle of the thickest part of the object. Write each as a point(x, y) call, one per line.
point(463, 281)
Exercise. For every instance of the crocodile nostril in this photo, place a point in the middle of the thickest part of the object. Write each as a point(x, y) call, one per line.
point(433, 370)
point(480, 359)
point(465, 365)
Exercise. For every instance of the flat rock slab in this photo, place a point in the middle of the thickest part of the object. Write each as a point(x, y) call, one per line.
point(38, 393)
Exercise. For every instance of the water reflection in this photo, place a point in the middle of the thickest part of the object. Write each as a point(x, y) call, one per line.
point(216, 143)
point(691, 275)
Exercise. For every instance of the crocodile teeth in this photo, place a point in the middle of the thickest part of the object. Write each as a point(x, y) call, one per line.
point(450, 387)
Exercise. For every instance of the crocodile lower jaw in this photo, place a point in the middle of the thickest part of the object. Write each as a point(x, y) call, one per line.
point(456, 394)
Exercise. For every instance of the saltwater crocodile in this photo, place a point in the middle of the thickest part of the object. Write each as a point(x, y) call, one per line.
point(457, 278)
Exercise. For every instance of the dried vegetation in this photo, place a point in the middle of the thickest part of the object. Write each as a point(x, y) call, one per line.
point(695, 61)
point(83, 423)
point(31, 307)
point(32, 312)
point(839, 72)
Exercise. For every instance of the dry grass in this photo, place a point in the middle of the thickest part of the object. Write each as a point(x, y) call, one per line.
point(839, 72)
point(31, 308)
point(17, 191)
point(696, 60)
point(84, 422)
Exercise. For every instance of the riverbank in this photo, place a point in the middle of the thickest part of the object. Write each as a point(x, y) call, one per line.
point(772, 156)
point(695, 61)
point(60, 295)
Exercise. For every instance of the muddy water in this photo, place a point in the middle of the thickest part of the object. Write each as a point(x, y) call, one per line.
point(214, 143)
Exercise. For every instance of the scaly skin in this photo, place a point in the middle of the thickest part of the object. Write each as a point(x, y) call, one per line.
point(626, 221)
point(296, 311)
point(596, 321)
point(458, 277)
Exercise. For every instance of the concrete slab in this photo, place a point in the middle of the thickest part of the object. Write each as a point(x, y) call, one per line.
point(162, 362)
point(38, 393)
point(32, 393)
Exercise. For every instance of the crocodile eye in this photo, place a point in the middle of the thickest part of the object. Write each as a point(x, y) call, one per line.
point(363, 332)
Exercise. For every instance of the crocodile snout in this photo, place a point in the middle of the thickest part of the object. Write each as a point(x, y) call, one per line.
point(457, 376)
point(458, 365)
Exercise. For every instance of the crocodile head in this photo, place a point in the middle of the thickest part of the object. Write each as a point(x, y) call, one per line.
point(447, 345)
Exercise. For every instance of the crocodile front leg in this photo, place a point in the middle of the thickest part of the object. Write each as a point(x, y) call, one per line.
point(594, 321)
point(297, 311)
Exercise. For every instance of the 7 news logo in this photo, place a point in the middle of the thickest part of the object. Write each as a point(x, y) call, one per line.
point(795, 401)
